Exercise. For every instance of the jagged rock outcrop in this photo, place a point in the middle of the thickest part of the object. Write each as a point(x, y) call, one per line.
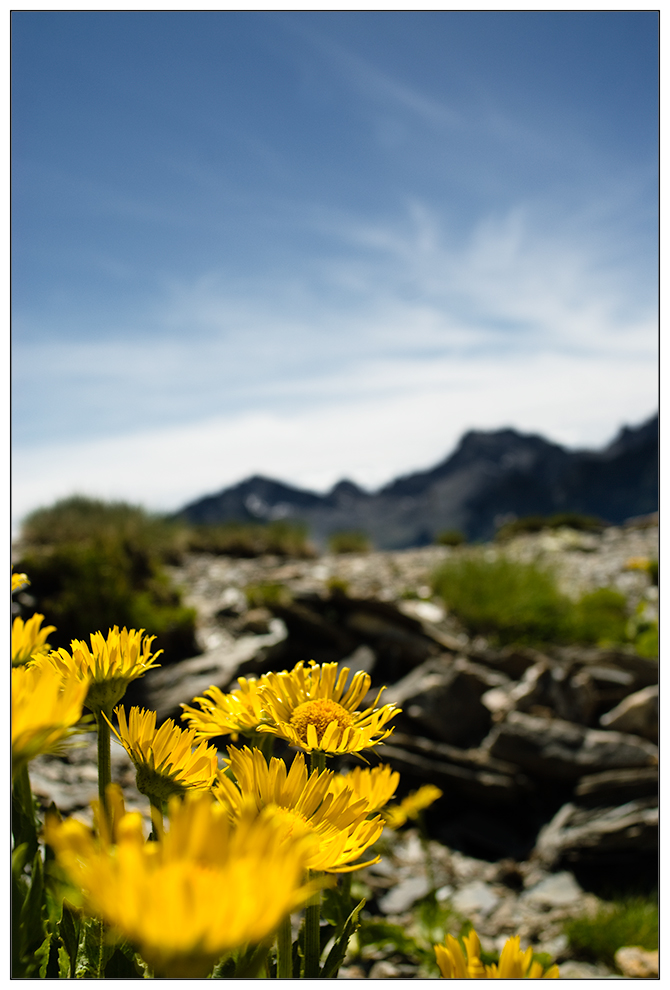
point(491, 476)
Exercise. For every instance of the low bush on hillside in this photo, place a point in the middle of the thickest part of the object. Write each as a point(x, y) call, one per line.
point(450, 538)
point(280, 538)
point(94, 565)
point(350, 541)
point(267, 595)
point(513, 602)
point(535, 524)
point(632, 921)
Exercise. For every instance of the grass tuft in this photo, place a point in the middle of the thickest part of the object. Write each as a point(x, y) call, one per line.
point(632, 921)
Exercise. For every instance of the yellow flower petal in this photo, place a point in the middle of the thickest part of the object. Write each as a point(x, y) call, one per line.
point(229, 714)
point(334, 816)
point(28, 639)
point(310, 708)
point(45, 707)
point(185, 901)
point(164, 758)
point(456, 963)
point(108, 665)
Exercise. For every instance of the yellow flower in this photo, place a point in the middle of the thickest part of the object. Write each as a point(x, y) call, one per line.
point(45, 707)
point(411, 806)
point(311, 709)
point(375, 785)
point(308, 806)
point(226, 714)
point(205, 890)
point(164, 758)
point(19, 581)
point(109, 665)
point(28, 639)
point(514, 963)
point(637, 564)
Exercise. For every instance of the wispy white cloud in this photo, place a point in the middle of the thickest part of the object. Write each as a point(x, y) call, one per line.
point(409, 418)
point(400, 301)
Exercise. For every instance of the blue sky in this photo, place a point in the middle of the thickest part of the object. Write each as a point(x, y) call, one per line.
point(324, 244)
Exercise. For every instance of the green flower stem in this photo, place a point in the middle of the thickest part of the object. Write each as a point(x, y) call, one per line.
point(24, 795)
point(285, 950)
point(104, 758)
point(312, 935)
point(425, 845)
point(156, 818)
point(345, 892)
point(24, 826)
point(265, 742)
point(317, 760)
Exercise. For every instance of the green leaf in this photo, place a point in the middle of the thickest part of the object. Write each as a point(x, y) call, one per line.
point(23, 817)
point(336, 955)
point(41, 957)
point(91, 954)
point(224, 969)
point(32, 912)
point(63, 963)
point(251, 961)
point(122, 965)
point(68, 929)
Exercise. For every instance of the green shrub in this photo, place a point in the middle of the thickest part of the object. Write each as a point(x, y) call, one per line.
point(267, 595)
point(508, 601)
point(450, 538)
point(350, 541)
point(600, 617)
point(281, 538)
point(93, 565)
point(514, 602)
point(633, 921)
point(646, 641)
point(534, 524)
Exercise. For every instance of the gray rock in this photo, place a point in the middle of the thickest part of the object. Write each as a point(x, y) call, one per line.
point(638, 714)
point(166, 688)
point(555, 891)
point(588, 835)
point(363, 658)
point(472, 773)
point(549, 685)
point(442, 699)
point(563, 750)
point(475, 898)
point(574, 970)
point(401, 897)
point(616, 787)
point(636, 962)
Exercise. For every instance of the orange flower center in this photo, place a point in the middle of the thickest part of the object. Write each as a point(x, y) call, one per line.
point(320, 714)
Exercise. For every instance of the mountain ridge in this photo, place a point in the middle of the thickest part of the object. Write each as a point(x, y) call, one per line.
point(490, 477)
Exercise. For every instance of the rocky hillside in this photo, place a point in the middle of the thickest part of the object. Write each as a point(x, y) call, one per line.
point(547, 759)
point(491, 477)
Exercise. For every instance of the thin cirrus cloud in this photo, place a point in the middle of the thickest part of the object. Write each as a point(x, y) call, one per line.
point(506, 291)
point(310, 398)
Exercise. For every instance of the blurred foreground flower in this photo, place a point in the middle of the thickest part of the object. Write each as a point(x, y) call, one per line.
point(164, 759)
point(411, 806)
point(514, 964)
point(334, 818)
point(109, 665)
point(230, 714)
point(19, 581)
point(206, 889)
point(28, 639)
point(45, 707)
point(311, 709)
